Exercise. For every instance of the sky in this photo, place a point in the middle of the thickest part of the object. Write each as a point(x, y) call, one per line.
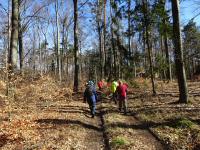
point(188, 9)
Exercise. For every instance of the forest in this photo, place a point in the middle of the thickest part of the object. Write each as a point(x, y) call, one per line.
point(99, 75)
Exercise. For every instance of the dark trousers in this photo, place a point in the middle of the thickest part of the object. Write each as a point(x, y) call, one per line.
point(123, 104)
point(92, 106)
point(114, 97)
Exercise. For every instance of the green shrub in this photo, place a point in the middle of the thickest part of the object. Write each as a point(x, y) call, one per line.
point(184, 123)
point(119, 141)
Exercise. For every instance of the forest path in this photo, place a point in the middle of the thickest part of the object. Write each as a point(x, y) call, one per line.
point(74, 126)
point(67, 124)
point(127, 128)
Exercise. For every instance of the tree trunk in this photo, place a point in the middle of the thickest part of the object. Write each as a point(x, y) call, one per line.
point(129, 32)
point(58, 43)
point(21, 48)
point(104, 40)
point(100, 50)
point(63, 49)
point(33, 58)
point(76, 52)
point(8, 38)
point(149, 47)
point(169, 73)
point(12, 59)
point(40, 55)
point(113, 62)
point(180, 70)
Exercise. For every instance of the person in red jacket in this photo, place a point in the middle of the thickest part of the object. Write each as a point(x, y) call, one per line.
point(100, 84)
point(122, 94)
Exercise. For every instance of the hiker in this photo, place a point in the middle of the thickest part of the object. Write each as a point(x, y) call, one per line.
point(91, 97)
point(100, 84)
point(122, 96)
point(114, 85)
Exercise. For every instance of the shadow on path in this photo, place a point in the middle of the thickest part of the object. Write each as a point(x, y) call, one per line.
point(68, 122)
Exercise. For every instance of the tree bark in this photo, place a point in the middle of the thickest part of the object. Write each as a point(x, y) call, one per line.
point(129, 32)
point(169, 74)
point(149, 47)
point(180, 69)
point(58, 43)
point(20, 38)
point(104, 40)
point(12, 59)
point(76, 52)
point(113, 61)
point(8, 38)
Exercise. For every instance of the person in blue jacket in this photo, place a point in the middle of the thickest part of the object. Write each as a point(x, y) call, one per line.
point(91, 97)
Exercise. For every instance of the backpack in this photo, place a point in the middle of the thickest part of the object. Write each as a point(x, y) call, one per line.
point(89, 91)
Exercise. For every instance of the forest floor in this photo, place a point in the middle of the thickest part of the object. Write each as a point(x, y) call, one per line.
point(48, 116)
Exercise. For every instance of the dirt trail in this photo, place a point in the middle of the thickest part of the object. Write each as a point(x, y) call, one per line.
point(73, 126)
point(137, 135)
point(75, 129)
point(68, 125)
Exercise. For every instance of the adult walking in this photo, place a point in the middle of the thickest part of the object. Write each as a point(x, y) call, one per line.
point(114, 85)
point(91, 97)
point(122, 96)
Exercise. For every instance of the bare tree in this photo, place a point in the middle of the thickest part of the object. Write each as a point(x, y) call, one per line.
point(180, 69)
point(76, 50)
point(147, 40)
point(12, 59)
point(58, 43)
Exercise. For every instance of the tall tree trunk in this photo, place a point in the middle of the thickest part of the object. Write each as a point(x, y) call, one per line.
point(145, 51)
point(129, 31)
point(8, 39)
point(33, 58)
point(149, 46)
point(169, 73)
point(99, 30)
point(12, 59)
point(104, 39)
point(113, 52)
point(180, 69)
point(63, 49)
point(21, 48)
point(40, 55)
point(100, 50)
point(21, 52)
point(76, 52)
point(58, 43)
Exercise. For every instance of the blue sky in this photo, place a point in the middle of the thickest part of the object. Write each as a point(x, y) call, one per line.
point(188, 9)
